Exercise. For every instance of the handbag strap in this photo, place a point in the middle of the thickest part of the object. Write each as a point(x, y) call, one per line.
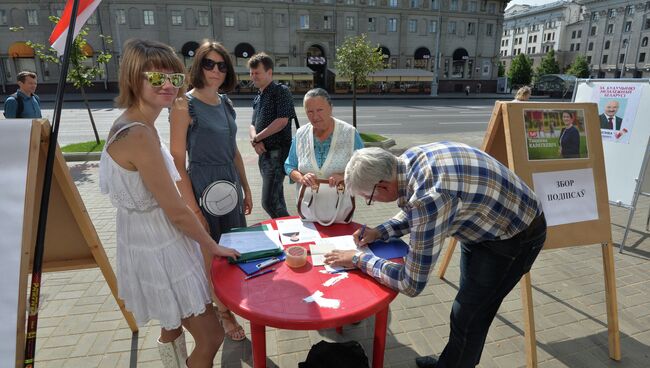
point(339, 202)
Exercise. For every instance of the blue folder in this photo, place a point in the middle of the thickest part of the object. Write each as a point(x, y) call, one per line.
point(392, 248)
point(251, 266)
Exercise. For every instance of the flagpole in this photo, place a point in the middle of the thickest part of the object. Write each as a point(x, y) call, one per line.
point(35, 290)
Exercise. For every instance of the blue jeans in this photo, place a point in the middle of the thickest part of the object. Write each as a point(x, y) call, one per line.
point(271, 165)
point(488, 272)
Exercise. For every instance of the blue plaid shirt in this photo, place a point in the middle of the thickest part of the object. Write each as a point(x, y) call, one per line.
point(449, 189)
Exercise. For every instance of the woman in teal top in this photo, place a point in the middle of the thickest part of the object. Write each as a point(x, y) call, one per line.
point(203, 125)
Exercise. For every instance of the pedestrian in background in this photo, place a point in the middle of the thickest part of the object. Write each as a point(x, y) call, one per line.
point(24, 103)
point(203, 125)
point(160, 272)
point(270, 132)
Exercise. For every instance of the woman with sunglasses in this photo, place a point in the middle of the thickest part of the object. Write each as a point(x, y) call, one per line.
point(203, 125)
point(160, 272)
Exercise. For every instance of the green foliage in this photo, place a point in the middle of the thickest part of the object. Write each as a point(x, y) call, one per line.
point(372, 137)
point(579, 68)
point(521, 70)
point(90, 146)
point(80, 73)
point(356, 58)
point(548, 65)
point(502, 70)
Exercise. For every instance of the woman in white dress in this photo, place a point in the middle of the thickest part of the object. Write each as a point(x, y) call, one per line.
point(159, 264)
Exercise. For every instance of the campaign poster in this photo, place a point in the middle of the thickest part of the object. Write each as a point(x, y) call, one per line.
point(567, 196)
point(553, 134)
point(617, 108)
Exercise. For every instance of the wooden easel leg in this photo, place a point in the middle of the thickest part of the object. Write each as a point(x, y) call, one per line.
point(614, 336)
point(447, 258)
point(529, 321)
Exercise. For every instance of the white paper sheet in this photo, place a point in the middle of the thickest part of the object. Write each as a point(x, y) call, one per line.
point(293, 231)
point(325, 245)
point(317, 297)
point(567, 196)
point(251, 241)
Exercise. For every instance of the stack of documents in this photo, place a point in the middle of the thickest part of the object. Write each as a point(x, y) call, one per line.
point(325, 245)
point(252, 244)
point(294, 231)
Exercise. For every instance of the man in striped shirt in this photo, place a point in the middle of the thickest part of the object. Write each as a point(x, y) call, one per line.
point(449, 189)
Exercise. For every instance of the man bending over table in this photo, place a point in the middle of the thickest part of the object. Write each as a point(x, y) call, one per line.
point(449, 189)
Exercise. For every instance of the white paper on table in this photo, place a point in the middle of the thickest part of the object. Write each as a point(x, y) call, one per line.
point(294, 231)
point(251, 241)
point(335, 279)
point(567, 196)
point(325, 245)
point(317, 298)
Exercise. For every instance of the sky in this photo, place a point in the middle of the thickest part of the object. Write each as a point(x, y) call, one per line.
point(530, 2)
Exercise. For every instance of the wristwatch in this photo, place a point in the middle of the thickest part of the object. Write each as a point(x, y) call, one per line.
point(355, 258)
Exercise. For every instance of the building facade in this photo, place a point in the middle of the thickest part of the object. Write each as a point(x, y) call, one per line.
point(464, 34)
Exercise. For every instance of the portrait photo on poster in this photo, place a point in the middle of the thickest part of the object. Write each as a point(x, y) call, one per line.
point(617, 108)
point(555, 134)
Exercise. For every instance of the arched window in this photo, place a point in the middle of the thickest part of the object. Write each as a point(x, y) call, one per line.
point(644, 42)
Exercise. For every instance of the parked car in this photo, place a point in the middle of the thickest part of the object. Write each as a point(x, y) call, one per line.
point(555, 85)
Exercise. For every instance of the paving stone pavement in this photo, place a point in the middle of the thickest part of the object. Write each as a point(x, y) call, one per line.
point(80, 324)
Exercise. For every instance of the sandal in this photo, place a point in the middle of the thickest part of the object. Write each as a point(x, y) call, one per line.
point(236, 332)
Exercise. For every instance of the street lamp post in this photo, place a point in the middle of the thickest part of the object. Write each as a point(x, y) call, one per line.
point(436, 59)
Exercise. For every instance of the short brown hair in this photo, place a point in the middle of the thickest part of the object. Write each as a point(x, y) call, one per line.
point(197, 78)
point(138, 57)
point(22, 76)
point(260, 57)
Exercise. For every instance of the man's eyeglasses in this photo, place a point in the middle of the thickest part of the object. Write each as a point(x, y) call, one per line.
point(157, 79)
point(209, 64)
point(372, 194)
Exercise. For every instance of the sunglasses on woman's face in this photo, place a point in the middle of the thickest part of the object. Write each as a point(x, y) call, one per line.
point(209, 64)
point(157, 79)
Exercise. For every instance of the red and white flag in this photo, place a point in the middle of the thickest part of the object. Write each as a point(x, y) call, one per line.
point(60, 32)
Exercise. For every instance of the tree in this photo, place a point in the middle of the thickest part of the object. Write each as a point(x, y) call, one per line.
point(80, 73)
point(579, 67)
point(521, 70)
point(548, 65)
point(355, 59)
point(502, 70)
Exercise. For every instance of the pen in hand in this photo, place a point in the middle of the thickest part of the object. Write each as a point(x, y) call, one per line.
point(259, 274)
point(363, 231)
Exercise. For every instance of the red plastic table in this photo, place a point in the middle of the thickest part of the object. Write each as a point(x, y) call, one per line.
point(276, 299)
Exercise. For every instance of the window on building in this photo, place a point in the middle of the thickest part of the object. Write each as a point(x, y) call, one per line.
point(393, 3)
point(472, 6)
point(177, 17)
point(229, 19)
point(572, 47)
point(642, 57)
point(434, 4)
point(607, 43)
point(451, 27)
point(530, 38)
point(610, 29)
point(605, 59)
point(413, 25)
point(629, 10)
point(589, 59)
point(489, 29)
point(204, 18)
point(3, 17)
point(256, 20)
point(280, 19)
point(593, 31)
point(453, 5)
point(579, 33)
point(414, 4)
point(611, 13)
point(304, 21)
point(573, 34)
point(372, 2)
point(350, 2)
point(327, 22)
point(644, 42)
point(590, 47)
point(621, 58)
point(32, 17)
point(92, 19)
point(577, 47)
point(534, 49)
point(628, 27)
point(594, 16)
point(120, 16)
point(149, 20)
point(492, 8)
point(392, 24)
point(433, 26)
point(535, 38)
point(349, 23)
point(471, 28)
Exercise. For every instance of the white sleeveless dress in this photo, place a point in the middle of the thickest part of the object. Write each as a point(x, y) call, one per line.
point(160, 273)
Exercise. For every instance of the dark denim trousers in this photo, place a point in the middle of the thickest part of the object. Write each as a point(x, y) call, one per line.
point(488, 272)
point(271, 164)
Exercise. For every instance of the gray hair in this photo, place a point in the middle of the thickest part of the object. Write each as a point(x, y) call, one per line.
point(367, 167)
point(317, 92)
